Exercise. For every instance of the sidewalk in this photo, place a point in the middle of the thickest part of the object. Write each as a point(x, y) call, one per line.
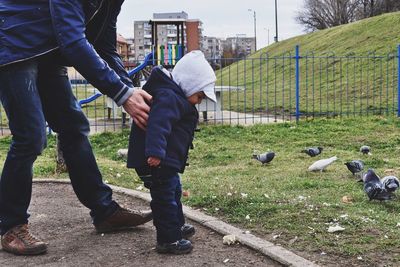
point(58, 218)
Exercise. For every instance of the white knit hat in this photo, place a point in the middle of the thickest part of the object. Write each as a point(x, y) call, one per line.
point(194, 74)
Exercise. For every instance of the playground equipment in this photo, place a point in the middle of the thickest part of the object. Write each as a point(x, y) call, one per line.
point(167, 55)
point(146, 62)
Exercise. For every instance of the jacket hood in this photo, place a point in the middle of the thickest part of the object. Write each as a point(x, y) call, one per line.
point(158, 80)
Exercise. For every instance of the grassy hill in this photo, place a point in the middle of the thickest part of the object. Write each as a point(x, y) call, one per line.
point(349, 69)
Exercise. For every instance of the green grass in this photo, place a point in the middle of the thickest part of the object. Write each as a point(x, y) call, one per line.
point(94, 110)
point(338, 77)
point(282, 197)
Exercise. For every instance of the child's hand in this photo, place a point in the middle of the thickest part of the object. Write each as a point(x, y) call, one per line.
point(153, 162)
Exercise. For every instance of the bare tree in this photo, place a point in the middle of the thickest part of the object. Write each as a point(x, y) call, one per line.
point(370, 8)
point(322, 14)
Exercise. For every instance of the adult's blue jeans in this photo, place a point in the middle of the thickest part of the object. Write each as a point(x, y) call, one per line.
point(166, 192)
point(33, 92)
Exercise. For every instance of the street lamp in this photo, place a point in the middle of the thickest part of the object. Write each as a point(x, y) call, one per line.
point(255, 29)
point(276, 22)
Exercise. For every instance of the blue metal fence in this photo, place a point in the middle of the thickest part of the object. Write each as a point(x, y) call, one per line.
point(295, 86)
point(271, 88)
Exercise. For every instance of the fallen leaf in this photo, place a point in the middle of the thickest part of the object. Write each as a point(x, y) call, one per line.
point(276, 236)
point(336, 228)
point(301, 198)
point(347, 199)
point(229, 239)
point(185, 193)
point(140, 188)
point(291, 241)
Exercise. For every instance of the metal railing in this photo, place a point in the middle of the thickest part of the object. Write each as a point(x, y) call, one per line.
point(275, 88)
point(295, 86)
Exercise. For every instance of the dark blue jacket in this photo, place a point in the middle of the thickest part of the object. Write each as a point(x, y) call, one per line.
point(81, 32)
point(170, 128)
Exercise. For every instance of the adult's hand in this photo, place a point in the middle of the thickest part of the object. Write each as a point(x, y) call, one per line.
point(153, 161)
point(138, 107)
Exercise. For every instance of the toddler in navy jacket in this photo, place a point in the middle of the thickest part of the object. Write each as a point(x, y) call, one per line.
point(160, 153)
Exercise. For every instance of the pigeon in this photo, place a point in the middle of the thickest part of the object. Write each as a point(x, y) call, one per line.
point(313, 151)
point(321, 164)
point(365, 150)
point(355, 166)
point(374, 187)
point(265, 157)
point(391, 183)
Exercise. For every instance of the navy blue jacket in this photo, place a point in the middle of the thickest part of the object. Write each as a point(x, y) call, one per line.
point(82, 32)
point(170, 128)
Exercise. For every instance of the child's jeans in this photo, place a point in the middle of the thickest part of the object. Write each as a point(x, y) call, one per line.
point(166, 191)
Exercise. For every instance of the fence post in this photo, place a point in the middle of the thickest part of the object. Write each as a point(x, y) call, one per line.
point(297, 83)
point(398, 81)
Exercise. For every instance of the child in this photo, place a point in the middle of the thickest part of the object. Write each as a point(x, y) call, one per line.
point(160, 153)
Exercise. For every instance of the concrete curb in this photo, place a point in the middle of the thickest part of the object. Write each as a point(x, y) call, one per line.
point(266, 248)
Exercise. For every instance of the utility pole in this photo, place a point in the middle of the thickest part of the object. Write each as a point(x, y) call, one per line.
point(276, 22)
point(255, 28)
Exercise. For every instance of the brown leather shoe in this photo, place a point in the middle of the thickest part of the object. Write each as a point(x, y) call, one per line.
point(123, 219)
point(18, 240)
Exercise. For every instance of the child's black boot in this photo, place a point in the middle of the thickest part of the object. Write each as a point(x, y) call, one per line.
point(182, 246)
point(187, 230)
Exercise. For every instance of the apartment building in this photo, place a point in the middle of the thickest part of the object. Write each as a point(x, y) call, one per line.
point(167, 34)
point(131, 49)
point(122, 47)
point(142, 38)
point(241, 45)
point(212, 47)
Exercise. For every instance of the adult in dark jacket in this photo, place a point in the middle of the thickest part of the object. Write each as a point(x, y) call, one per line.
point(160, 153)
point(37, 40)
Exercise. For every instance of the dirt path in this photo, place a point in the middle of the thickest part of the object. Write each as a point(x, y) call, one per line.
point(59, 219)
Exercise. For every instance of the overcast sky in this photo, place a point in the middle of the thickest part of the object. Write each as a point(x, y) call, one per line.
point(221, 18)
